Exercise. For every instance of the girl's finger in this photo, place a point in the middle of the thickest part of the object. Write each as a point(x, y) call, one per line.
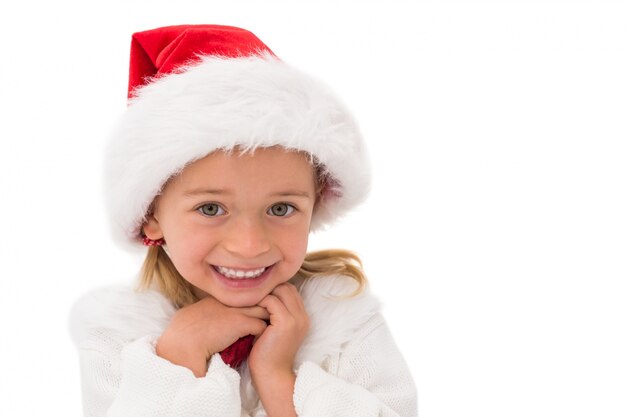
point(256, 312)
point(252, 326)
point(290, 297)
point(274, 306)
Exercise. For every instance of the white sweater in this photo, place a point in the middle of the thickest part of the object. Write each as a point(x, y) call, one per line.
point(348, 364)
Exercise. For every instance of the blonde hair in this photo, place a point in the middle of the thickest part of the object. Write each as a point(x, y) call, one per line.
point(158, 271)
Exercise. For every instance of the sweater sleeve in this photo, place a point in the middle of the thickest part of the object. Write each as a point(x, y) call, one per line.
point(369, 378)
point(134, 381)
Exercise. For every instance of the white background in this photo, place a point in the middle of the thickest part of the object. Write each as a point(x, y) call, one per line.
point(495, 230)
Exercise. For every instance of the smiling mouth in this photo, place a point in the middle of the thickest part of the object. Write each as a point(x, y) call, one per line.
point(240, 273)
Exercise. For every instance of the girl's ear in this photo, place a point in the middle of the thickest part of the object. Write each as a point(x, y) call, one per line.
point(151, 228)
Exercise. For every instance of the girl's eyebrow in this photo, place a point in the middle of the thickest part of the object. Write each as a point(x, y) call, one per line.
point(286, 193)
point(199, 191)
point(291, 193)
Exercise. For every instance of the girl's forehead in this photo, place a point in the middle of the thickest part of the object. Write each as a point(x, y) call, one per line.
point(262, 165)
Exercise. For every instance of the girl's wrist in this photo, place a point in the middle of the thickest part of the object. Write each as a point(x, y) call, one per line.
point(268, 371)
point(275, 390)
point(178, 355)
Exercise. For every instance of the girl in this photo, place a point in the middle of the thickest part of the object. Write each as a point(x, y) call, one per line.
point(224, 161)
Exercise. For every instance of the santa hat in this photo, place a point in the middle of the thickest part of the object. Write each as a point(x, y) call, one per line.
point(196, 89)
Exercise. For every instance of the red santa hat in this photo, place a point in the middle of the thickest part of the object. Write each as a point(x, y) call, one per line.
point(195, 89)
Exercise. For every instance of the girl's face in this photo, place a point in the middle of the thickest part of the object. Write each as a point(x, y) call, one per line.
point(237, 226)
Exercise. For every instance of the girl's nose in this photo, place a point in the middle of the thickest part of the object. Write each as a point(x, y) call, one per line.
point(247, 239)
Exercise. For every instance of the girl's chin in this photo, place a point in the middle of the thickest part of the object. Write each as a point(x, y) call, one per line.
point(238, 300)
point(240, 292)
point(231, 300)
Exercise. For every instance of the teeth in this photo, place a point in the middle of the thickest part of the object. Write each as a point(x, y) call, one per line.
point(238, 274)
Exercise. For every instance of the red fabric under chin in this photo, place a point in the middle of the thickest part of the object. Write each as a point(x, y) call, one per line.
point(238, 352)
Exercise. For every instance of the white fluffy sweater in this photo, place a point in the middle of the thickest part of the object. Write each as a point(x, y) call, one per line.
point(348, 365)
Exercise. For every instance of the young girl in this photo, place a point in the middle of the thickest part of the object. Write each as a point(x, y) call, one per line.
point(224, 161)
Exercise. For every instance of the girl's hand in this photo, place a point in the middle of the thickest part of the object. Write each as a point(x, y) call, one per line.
point(199, 330)
point(272, 356)
point(274, 351)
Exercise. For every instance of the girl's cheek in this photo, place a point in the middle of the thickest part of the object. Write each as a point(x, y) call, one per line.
point(189, 245)
point(300, 242)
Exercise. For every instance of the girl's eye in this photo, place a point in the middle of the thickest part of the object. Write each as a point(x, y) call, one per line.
point(211, 209)
point(281, 209)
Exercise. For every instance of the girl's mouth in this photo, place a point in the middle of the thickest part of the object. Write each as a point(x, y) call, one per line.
point(241, 278)
point(239, 273)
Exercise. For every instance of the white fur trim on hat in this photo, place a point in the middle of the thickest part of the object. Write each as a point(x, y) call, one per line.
point(220, 103)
